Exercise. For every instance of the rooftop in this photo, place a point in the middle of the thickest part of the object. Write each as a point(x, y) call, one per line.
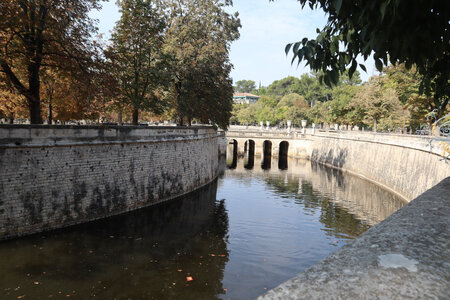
point(245, 95)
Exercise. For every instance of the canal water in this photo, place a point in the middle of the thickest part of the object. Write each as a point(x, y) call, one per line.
point(256, 226)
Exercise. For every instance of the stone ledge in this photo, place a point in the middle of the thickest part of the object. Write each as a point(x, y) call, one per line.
point(407, 256)
point(12, 136)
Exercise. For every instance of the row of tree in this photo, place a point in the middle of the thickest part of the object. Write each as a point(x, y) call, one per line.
point(165, 57)
point(388, 101)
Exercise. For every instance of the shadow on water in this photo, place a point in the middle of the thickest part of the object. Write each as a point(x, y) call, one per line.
point(148, 253)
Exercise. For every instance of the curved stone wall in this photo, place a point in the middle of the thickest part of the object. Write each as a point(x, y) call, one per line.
point(404, 164)
point(56, 176)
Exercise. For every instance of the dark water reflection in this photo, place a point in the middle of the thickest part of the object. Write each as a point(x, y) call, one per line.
point(236, 238)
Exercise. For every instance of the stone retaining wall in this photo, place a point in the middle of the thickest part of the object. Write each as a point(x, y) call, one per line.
point(406, 165)
point(55, 176)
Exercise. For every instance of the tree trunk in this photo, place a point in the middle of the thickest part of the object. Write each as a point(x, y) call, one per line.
point(180, 120)
point(179, 104)
point(34, 106)
point(119, 117)
point(374, 125)
point(50, 112)
point(135, 116)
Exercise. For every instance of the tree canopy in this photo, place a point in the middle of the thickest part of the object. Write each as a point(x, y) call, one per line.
point(136, 54)
point(394, 31)
point(244, 86)
point(44, 33)
point(198, 41)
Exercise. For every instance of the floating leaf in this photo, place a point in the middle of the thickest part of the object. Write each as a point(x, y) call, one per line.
point(189, 278)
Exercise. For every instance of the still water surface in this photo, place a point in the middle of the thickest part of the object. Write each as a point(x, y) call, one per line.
point(236, 238)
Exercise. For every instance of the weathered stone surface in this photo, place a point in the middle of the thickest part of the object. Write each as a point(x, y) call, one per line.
point(57, 176)
point(404, 164)
point(407, 256)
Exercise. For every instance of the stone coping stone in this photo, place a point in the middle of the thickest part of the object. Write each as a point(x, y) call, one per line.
point(406, 256)
point(63, 135)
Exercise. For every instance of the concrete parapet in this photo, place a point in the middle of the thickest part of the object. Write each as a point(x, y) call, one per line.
point(406, 256)
point(62, 135)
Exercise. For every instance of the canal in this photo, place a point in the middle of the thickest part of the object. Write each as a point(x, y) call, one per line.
point(257, 225)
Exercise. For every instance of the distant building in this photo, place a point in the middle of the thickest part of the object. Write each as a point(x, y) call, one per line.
point(242, 98)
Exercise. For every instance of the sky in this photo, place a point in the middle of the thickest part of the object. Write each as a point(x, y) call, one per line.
point(267, 27)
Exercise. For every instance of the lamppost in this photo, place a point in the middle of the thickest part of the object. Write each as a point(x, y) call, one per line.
point(268, 124)
point(313, 128)
point(289, 126)
point(304, 122)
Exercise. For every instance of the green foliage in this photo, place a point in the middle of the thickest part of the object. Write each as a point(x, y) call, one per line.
point(293, 100)
point(198, 41)
point(282, 87)
point(386, 102)
point(136, 53)
point(410, 32)
point(380, 106)
point(244, 86)
point(339, 108)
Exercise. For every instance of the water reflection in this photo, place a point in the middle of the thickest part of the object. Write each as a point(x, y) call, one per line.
point(144, 254)
point(266, 162)
point(232, 154)
point(283, 162)
point(271, 224)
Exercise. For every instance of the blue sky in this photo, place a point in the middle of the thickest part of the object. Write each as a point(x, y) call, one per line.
point(266, 29)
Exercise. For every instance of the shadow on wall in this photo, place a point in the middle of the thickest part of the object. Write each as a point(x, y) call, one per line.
point(333, 157)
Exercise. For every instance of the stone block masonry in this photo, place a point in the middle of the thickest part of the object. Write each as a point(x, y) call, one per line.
point(56, 176)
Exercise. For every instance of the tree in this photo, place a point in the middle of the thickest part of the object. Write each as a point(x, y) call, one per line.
point(339, 108)
point(406, 83)
point(136, 54)
point(198, 41)
point(12, 104)
point(50, 33)
point(244, 86)
point(292, 107)
point(394, 31)
point(248, 115)
point(379, 105)
point(293, 100)
point(282, 87)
